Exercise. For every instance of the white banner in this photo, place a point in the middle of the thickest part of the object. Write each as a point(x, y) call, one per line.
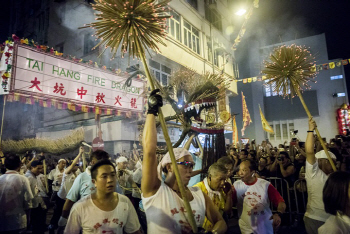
point(45, 74)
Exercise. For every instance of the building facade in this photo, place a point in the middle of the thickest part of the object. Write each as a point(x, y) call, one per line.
point(197, 39)
point(287, 115)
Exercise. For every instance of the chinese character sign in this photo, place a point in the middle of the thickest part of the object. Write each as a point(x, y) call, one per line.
point(45, 74)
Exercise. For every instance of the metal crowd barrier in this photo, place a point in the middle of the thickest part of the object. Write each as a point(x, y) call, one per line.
point(283, 188)
point(300, 194)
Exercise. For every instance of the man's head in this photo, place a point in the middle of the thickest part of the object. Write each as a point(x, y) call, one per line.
point(247, 170)
point(284, 158)
point(122, 163)
point(61, 164)
point(243, 154)
point(103, 175)
point(217, 175)
point(263, 161)
point(37, 167)
point(12, 162)
point(252, 154)
point(97, 156)
point(323, 162)
point(228, 164)
point(184, 161)
point(233, 151)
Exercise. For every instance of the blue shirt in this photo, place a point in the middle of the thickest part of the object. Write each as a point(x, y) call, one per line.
point(81, 187)
point(197, 178)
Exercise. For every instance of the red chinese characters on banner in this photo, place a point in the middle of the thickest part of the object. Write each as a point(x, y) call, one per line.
point(133, 103)
point(99, 98)
point(81, 92)
point(117, 100)
point(35, 83)
point(59, 89)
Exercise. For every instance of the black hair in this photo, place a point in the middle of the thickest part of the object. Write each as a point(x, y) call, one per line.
point(336, 192)
point(225, 160)
point(100, 163)
point(245, 151)
point(36, 163)
point(252, 164)
point(253, 153)
point(99, 155)
point(285, 154)
point(12, 161)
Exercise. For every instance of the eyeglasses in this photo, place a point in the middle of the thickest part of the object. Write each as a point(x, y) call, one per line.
point(187, 164)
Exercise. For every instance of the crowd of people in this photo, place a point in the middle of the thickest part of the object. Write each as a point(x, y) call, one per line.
point(139, 193)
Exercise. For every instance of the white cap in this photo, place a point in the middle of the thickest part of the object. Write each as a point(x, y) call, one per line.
point(121, 159)
point(61, 160)
point(178, 152)
point(322, 154)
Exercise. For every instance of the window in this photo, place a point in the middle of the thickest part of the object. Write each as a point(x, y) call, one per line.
point(283, 131)
point(173, 24)
point(213, 17)
point(337, 77)
point(191, 37)
point(278, 131)
point(269, 90)
point(291, 130)
point(89, 43)
point(193, 3)
point(160, 72)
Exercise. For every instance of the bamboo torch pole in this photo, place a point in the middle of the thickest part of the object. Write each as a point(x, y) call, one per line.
point(190, 216)
point(316, 130)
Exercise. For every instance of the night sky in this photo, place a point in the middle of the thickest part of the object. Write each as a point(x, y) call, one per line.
point(282, 20)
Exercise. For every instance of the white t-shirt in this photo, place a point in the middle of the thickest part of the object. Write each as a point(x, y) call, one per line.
point(15, 198)
point(253, 205)
point(41, 185)
point(56, 176)
point(66, 185)
point(85, 216)
point(339, 224)
point(166, 213)
point(315, 181)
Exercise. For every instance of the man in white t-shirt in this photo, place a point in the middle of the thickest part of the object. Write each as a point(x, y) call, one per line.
point(253, 196)
point(55, 177)
point(38, 210)
point(162, 201)
point(81, 187)
point(69, 175)
point(15, 197)
point(317, 170)
point(112, 212)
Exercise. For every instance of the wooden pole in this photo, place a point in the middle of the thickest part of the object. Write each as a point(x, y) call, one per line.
point(316, 130)
point(2, 126)
point(188, 208)
point(45, 173)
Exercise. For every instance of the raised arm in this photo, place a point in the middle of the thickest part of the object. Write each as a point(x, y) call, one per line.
point(75, 161)
point(200, 148)
point(309, 143)
point(150, 182)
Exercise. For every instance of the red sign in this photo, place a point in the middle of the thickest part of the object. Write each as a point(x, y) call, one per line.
point(97, 144)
